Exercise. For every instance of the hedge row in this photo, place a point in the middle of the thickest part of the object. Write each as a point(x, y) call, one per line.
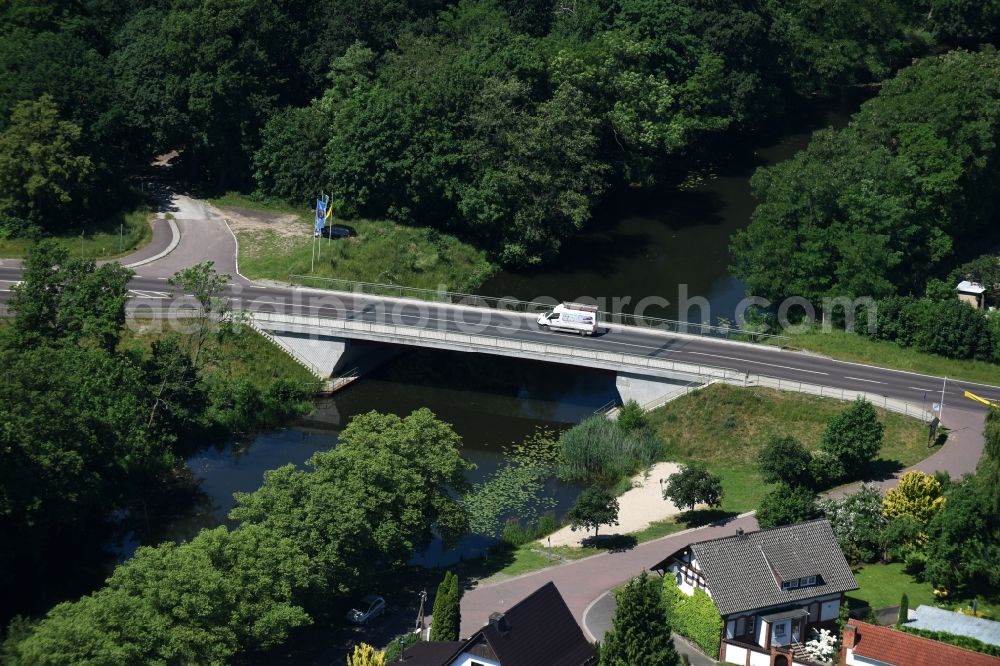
point(695, 617)
point(966, 642)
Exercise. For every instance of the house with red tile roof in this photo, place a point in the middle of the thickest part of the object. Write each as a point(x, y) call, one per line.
point(870, 645)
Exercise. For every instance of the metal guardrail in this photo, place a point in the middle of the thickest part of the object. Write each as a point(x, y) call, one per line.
point(480, 342)
point(889, 404)
point(514, 305)
point(708, 374)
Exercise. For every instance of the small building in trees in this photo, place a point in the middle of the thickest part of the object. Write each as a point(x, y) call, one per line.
point(540, 629)
point(771, 587)
point(971, 293)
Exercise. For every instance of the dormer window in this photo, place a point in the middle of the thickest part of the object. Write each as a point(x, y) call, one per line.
point(795, 583)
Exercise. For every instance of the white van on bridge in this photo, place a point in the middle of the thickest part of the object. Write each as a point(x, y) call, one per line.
point(572, 318)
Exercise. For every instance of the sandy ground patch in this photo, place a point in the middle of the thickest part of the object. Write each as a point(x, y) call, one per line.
point(280, 224)
point(639, 507)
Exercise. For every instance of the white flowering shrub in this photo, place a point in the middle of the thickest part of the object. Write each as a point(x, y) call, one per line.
point(821, 645)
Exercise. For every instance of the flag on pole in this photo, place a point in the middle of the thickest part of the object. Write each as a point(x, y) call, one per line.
point(320, 216)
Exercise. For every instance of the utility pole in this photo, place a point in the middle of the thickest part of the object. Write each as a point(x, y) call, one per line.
point(420, 615)
point(943, 387)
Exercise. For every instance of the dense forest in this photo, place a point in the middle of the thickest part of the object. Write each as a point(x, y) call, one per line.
point(503, 122)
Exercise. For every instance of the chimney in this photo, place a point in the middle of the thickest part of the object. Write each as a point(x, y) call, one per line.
point(739, 531)
point(850, 630)
point(500, 623)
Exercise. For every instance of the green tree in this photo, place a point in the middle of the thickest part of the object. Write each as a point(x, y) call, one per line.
point(593, 508)
point(858, 523)
point(785, 459)
point(785, 505)
point(447, 617)
point(63, 299)
point(693, 485)
point(962, 539)
point(631, 416)
point(878, 207)
point(44, 175)
point(640, 629)
point(370, 503)
point(854, 437)
point(904, 610)
point(291, 160)
point(205, 286)
point(968, 22)
point(202, 601)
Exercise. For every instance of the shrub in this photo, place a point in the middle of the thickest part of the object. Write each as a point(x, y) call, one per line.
point(960, 641)
point(394, 650)
point(631, 417)
point(918, 495)
point(785, 459)
point(593, 508)
point(854, 436)
point(693, 485)
point(598, 451)
point(694, 616)
point(785, 505)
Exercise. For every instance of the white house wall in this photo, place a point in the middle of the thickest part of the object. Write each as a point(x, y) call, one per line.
point(686, 571)
point(857, 660)
point(829, 610)
point(736, 655)
point(759, 659)
point(466, 659)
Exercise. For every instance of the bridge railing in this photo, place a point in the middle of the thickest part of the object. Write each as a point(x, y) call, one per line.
point(624, 361)
point(886, 403)
point(514, 305)
point(506, 345)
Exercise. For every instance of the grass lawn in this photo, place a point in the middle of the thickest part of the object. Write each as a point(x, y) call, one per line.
point(246, 354)
point(882, 585)
point(95, 241)
point(725, 427)
point(383, 251)
point(853, 347)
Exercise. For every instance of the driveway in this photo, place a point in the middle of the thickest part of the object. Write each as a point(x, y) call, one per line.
point(204, 237)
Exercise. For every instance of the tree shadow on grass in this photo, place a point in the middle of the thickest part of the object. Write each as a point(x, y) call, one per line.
point(880, 470)
point(702, 517)
point(615, 543)
point(473, 569)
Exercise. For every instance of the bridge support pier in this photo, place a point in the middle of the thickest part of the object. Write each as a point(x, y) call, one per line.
point(648, 391)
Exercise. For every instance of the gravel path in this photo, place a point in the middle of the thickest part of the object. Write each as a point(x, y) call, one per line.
point(637, 508)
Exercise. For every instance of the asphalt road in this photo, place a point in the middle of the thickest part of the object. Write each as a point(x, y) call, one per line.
point(151, 292)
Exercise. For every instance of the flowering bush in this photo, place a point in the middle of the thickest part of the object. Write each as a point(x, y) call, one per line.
point(821, 645)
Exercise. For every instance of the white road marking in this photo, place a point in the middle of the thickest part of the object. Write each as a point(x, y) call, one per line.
point(141, 293)
point(926, 390)
point(746, 360)
point(858, 379)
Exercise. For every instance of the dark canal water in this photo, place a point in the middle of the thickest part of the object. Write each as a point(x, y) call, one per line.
point(649, 245)
point(654, 243)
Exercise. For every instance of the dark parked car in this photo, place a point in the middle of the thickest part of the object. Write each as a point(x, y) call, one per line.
point(338, 231)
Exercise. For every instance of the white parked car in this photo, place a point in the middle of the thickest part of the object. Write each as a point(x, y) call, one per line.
point(571, 317)
point(367, 609)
